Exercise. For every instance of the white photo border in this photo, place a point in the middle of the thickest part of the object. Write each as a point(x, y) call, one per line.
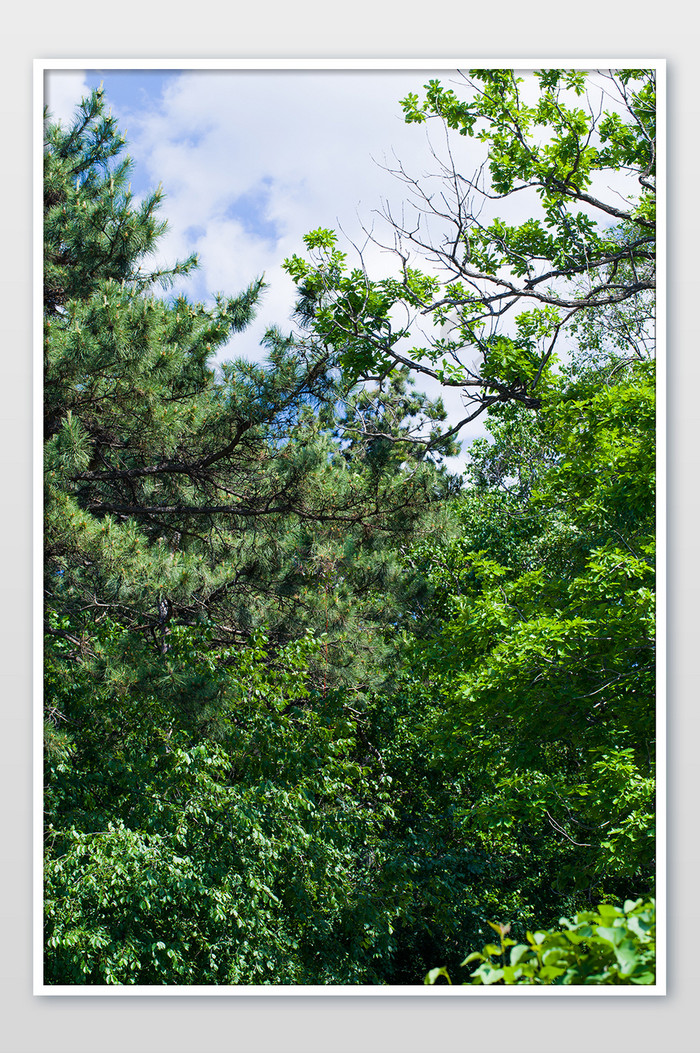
point(44, 66)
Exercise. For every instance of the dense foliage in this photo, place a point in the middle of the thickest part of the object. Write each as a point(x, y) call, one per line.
point(316, 710)
point(602, 946)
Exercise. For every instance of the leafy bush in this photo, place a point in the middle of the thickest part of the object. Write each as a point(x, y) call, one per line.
point(608, 945)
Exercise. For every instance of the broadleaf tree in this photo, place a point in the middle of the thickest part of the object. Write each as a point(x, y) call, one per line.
point(534, 658)
point(318, 711)
point(493, 295)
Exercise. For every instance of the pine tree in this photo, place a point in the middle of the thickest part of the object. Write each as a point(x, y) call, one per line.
point(223, 581)
point(176, 490)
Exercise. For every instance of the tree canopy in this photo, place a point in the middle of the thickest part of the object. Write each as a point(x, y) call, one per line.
point(318, 710)
point(501, 292)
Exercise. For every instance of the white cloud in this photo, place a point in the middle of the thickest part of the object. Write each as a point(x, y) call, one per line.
point(63, 90)
point(251, 161)
point(310, 136)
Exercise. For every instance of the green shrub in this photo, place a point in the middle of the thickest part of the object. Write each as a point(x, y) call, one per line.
point(608, 945)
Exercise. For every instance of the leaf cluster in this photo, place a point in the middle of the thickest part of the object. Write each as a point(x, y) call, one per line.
point(608, 945)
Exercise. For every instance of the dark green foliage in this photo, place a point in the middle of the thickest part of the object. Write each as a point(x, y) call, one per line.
point(222, 556)
point(525, 710)
point(315, 709)
point(520, 734)
point(210, 822)
point(535, 664)
point(179, 493)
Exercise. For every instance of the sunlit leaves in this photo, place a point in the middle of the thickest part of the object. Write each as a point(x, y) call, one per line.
point(608, 945)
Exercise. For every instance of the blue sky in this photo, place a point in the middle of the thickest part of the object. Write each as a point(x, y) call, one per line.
point(132, 92)
point(131, 89)
point(251, 160)
point(128, 92)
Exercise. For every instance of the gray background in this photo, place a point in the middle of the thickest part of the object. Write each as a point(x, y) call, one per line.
point(336, 1024)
